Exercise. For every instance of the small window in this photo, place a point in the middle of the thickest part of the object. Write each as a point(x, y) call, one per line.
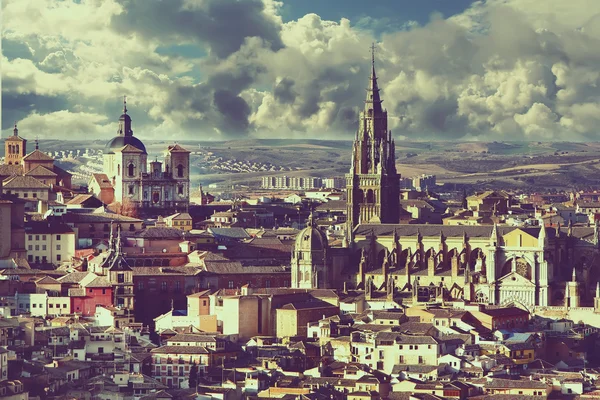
point(57, 237)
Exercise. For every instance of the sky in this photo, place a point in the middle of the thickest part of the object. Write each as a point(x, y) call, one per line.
point(234, 69)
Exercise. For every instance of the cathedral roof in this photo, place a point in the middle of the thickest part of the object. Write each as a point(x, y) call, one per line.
point(311, 238)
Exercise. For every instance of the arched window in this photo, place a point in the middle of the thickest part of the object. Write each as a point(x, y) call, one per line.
point(131, 170)
point(180, 171)
point(17, 149)
point(360, 196)
point(370, 196)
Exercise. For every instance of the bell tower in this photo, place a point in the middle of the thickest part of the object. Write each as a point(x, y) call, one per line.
point(373, 184)
point(15, 148)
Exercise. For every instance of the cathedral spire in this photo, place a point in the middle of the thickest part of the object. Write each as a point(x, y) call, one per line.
point(373, 100)
point(574, 276)
point(15, 131)
point(124, 104)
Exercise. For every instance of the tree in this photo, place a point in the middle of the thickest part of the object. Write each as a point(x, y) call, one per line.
point(193, 376)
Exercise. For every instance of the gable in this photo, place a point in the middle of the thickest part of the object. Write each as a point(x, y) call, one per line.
point(519, 238)
point(514, 279)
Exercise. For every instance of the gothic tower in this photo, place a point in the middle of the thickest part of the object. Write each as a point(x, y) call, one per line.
point(373, 185)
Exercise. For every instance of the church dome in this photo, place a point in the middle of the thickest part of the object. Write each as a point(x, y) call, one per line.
point(125, 134)
point(311, 238)
point(120, 141)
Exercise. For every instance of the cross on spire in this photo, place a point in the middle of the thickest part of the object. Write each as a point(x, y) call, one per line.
point(124, 104)
point(37, 144)
point(16, 131)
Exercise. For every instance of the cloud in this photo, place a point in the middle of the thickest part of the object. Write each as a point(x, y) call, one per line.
point(501, 70)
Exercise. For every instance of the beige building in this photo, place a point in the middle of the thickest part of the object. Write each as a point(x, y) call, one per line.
point(49, 243)
point(293, 318)
point(181, 221)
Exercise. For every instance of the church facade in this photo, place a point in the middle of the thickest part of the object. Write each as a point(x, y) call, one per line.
point(133, 181)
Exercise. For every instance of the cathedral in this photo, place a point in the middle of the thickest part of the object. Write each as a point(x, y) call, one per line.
point(500, 265)
point(129, 179)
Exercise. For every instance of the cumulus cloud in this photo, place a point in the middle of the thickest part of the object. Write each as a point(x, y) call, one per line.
point(501, 70)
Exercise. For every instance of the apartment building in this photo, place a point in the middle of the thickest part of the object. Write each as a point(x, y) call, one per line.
point(49, 242)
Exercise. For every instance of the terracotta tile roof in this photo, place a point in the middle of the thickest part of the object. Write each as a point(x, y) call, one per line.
point(38, 155)
point(102, 180)
point(76, 292)
point(82, 198)
point(10, 170)
point(177, 149)
point(24, 182)
point(47, 280)
point(99, 282)
point(74, 277)
point(129, 149)
point(98, 217)
point(45, 227)
point(180, 350)
point(179, 216)
point(40, 170)
point(162, 271)
point(400, 338)
point(498, 383)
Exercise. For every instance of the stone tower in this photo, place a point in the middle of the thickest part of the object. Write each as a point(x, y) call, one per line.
point(15, 148)
point(177, 162)
point(373, 185)
point(572, 292)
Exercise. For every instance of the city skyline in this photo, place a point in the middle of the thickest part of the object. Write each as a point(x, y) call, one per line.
point(488, 70)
